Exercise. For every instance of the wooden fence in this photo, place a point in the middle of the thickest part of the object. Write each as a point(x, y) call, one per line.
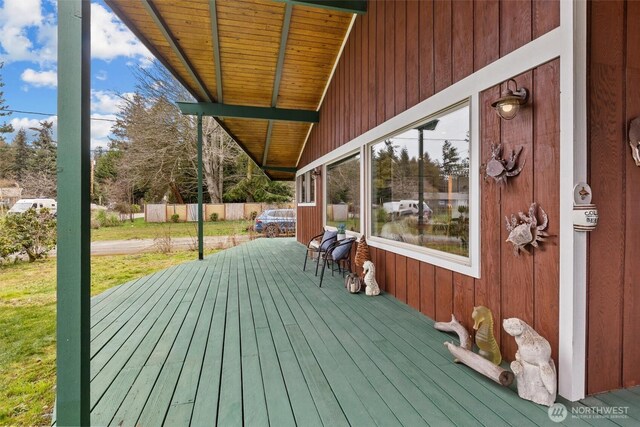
point(189, 212)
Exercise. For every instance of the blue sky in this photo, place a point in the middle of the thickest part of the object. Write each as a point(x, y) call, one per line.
point(28, 48)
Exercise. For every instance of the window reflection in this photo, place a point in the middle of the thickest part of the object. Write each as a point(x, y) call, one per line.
point(343, 193)
point(420, 185)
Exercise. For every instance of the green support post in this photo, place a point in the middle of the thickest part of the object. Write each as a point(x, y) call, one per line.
point(74, 218)
point(200, 215)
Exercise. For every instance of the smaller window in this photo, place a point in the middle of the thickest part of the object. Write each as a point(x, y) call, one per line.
point(342, 202)
point(303, 189)
point(306, 188)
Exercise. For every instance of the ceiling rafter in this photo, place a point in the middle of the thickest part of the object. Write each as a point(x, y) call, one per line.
point(164, 29)
point(284, 35)
point(134, 29)
point(216, 47)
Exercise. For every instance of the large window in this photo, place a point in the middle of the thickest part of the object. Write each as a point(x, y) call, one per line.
point(343, 193)
point(420, 184)
point(306, 188)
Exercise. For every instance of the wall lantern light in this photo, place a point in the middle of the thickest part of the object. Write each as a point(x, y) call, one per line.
point(316, 172)
point(509, 104)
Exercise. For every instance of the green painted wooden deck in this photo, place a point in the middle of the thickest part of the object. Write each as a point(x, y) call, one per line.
point(245, 337)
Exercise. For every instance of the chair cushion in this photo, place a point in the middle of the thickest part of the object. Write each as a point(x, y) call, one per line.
point(328, 238)
point(341, 251)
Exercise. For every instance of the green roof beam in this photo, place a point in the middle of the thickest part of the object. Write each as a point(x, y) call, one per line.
point(348, 6)
point(279, 169)
point(248, 112)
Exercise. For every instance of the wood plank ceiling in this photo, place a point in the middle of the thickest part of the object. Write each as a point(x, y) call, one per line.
point(261, 53)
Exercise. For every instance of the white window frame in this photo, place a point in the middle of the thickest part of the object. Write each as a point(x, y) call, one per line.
point(360, 151)
point(308, 179)
point(458, 263)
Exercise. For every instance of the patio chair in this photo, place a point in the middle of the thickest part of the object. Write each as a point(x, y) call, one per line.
point(339, 251)
point(318, 245)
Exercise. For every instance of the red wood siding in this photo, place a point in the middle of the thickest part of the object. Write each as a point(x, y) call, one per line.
point(402, 52)
point(613, 348)
point(441, 43)
point(309, 218)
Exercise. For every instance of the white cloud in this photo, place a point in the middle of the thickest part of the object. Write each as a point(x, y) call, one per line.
point(21, 13)
point(17, 17)
point(29, 34)
point(101, 129)
point(27, 123)
point(110, 38)
point(102, 75)
point(40, 78)
point(107, 102)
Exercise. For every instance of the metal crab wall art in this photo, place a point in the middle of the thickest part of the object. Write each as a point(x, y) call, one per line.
point(501, 169)
point(526, 231)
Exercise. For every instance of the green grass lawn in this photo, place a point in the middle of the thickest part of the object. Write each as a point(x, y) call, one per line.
point(27, 327)
point(139, 229)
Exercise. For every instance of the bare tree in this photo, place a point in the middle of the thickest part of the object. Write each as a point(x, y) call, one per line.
point(159, 143)
point(38, 183)
point(218, 150)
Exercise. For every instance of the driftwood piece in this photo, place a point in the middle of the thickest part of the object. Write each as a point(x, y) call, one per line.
point(480, 364)
point(455, 326)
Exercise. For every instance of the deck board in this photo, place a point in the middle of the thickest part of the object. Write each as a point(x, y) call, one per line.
point(245, 337)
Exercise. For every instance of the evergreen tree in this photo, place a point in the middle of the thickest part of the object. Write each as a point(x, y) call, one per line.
point(45, 150)
point(6, 154)
point(21, 155)
point(257, 187)
point(4, 126)
point(383, 166)
point(450, 158)
point(6, 160)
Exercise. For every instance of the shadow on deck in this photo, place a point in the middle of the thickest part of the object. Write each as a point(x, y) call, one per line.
point(247, 337)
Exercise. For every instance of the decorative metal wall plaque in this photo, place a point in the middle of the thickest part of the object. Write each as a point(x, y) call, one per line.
point(524, 229)
point(500, 169)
